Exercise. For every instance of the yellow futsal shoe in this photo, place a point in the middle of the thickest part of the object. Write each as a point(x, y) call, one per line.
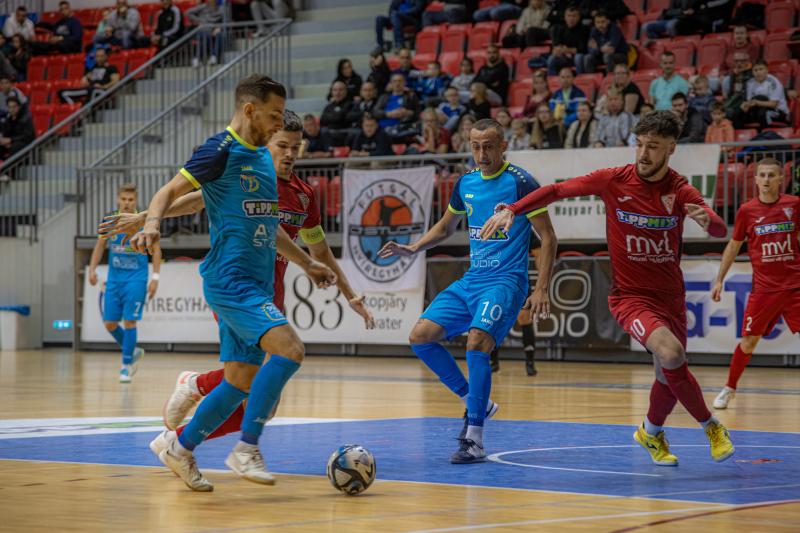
point(657, 446)
point(720, 440)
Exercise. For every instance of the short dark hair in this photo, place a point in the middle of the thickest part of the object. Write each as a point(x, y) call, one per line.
point(22, 8)
point(309, 116)
point(434, 62)
point(667, 53)
point(663, 123)
point(572, 7)
point(760, 62)
point(291, 122)
point(63, 3)
point(717, 106)
point(13, 99)
point(600, 13)
point(258, 87)
point(367, 116)
point(679, 96)
point(489, 124)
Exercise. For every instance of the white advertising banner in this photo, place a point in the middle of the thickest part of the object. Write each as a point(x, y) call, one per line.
point(716, 327)
point(381, 206)
point(584, 218)
point(177, 313)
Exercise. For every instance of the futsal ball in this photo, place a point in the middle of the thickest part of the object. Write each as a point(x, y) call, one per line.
point(351, 469)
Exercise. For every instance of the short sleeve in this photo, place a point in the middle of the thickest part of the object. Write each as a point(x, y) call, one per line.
point(207, 163)
point(456, 202)
point(526, 184)
point(740, 225)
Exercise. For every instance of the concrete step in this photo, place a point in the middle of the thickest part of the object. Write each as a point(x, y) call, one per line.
point(318, 91)
point(334, 38)
point(328, 4)
point(363, 22)
point(302, 106)
point(347, 48)
point(342, 12)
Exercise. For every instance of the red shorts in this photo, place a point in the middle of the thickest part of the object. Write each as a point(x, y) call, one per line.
point(765, 308)
point(640, 315)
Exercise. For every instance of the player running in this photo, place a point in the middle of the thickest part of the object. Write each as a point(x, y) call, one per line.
point(645, 205)
point(237, 177)
point(126, 289)
point(486, 300)
point(771, 225)
point(300, 215)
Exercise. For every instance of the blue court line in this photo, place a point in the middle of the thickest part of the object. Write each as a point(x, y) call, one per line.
point(418, 450)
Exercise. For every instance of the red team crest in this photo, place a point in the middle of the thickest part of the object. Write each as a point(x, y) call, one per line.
point(669, 202)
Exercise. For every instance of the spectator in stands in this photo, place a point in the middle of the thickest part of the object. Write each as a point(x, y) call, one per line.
point(606, 45)
point(765, 98)
point(564, 103)
point(721, 129)
point(401, 13)
point(454, 12)
point(666, 85)
point(397, 109)
point(506, 10)
point(17, 129)
point(451, 109)
point(734, 85)
point(459, 142)
point(318, 142)
point(547, 132)
point(540, 93)
point(668, 20)
point(694, 129)
point(503, 117)
point(581, 132)
point(478, 105)
point(348, 76)
point(262, 10)
point(464, 79)
point(616, 9)
point(705, 16)
point(19, 55)
point(368, 97)
point(495, 75)
point(123, 27)
point(701, 97)
point(207, 12)
point(432, 138)
point(741, 43)
point(569, 42)
point(379, 71)
point(430, 87)
point(615, 127)
point(19, 24)
point(169, 27)
point(532, 28)
point(67, 34)
point(7, 90)
point(406, 68)
point(95, 82)
point(629, 90)
point(370, 140)
point(520, 138)
point(334, 116)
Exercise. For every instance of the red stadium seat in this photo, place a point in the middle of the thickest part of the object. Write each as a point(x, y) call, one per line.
point(454, 39)
point(553, 83)
point(724, 36)
point(510, 56)
point(649, 58)
point(745, 134)
point(60, 85)
point(437, 29)
point(75, 69)
point(684, 52)
point(487, 3)
point(518, 92)
point(636, 6)
point(42, 117)
point(786, 133)
point(779, 16)
point(589, 83)
point(735, 177)
point(571, 253)
point(37, 69)
point(120, 61)
point(320, 186)
point(399, 149)
point(334, 201)
point(711, 52)
point(341, 151)
point(694, 39)
point(426, 47)
point(686, 72)
point(605, 83)
point(451, 62)
point(783, 71)
point(523, 71)
point(40, 93)
point(657, 6)
point(479, 59)
point(61, 112)
point(504, 28)
point(630, 27)
point(435, 7)
point(776, 47)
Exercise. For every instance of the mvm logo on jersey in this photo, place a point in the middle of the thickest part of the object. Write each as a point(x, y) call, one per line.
point(647, 221)
point(475, 234)
point(775, 227)
point(261, 208)
point(249, 183)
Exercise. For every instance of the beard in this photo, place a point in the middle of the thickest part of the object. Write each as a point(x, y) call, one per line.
point(656, 168)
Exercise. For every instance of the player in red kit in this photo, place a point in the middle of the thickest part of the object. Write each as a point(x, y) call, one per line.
point(771, 226)
point(645, 207)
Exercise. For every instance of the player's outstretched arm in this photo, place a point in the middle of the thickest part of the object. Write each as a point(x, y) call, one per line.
point(321, 252)
point(147, 239)
point(130, 223)
point(728, 257)
point(440, 231)
point(539, 300)
point(320, 274)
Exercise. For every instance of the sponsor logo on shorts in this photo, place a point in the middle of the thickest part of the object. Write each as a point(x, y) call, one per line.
point(261, 208)
point(647, 221)
point(775, 227)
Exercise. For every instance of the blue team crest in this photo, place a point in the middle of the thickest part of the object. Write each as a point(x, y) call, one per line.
point(249, 183)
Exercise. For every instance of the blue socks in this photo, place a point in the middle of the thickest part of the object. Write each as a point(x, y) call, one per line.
point(128, 345)
point(264, 392)
point(118, 334)
point(480, 386)
point(215, 408)
point(443, 365)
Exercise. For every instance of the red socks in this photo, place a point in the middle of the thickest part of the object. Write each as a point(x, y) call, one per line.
point(738, 364)
point(662, 402)
point(686, 389)
point(206, 382)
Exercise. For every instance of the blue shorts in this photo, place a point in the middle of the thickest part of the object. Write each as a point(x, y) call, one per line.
point(124, 300)
point(467, 304)
point(245, 312)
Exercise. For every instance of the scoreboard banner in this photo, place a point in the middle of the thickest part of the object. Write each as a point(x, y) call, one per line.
point(584, 218)
point(381, 206)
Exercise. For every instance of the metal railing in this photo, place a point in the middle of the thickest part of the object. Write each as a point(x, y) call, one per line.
point(37, 182)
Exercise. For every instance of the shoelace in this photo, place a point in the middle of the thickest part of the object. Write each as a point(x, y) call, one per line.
point(256, 459)
point(466, 444)
point(717, 434)
point(195, 472)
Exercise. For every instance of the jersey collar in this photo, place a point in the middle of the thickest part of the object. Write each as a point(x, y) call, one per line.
point(240, 140)
point(493, 176)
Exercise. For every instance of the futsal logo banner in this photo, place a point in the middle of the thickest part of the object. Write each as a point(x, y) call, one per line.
point(383, 206)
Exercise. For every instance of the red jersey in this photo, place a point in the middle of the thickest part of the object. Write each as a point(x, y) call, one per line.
point(644, 224)
point(772, 233)
point(299, 214)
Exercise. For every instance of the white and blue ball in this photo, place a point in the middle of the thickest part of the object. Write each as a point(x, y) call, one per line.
point(351, 469)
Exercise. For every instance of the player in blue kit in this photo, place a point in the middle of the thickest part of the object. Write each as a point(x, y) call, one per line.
point(236, 174)
point(486, 300)
point(126, 289)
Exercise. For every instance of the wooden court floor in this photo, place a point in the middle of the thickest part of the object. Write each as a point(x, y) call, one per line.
point(63, 495)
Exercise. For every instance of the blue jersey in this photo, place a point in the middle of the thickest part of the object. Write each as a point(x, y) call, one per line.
point(478, 196)
point(124, 264)
point(241, 195)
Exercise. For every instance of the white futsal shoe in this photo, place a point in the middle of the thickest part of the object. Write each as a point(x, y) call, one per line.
point(182, 401)
point(247, 461)
point(724, 397)
point(183, 464)
point(125, 374)
point(160, 443)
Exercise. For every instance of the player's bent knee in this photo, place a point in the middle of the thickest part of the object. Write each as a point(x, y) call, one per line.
point(479, 340)
point(425, 332)
point(672, 356)
point(128, 324)
point(111, 326)
point(296, 352)
point(240, 375)
point(749, 343)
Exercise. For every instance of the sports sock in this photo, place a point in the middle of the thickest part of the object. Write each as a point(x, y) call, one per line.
point(441, 363)
point(528, 340)
point(662, 402)
point(128, 345)
point(480, 386)
point(686, 389)
point(206, 382)
point(264, 392)
point(211, 413)
point(475, 434)
point(738, 363)
point(119, 334)
point(231, 425)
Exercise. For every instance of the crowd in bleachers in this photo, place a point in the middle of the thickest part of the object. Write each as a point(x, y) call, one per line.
point(565, 73)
